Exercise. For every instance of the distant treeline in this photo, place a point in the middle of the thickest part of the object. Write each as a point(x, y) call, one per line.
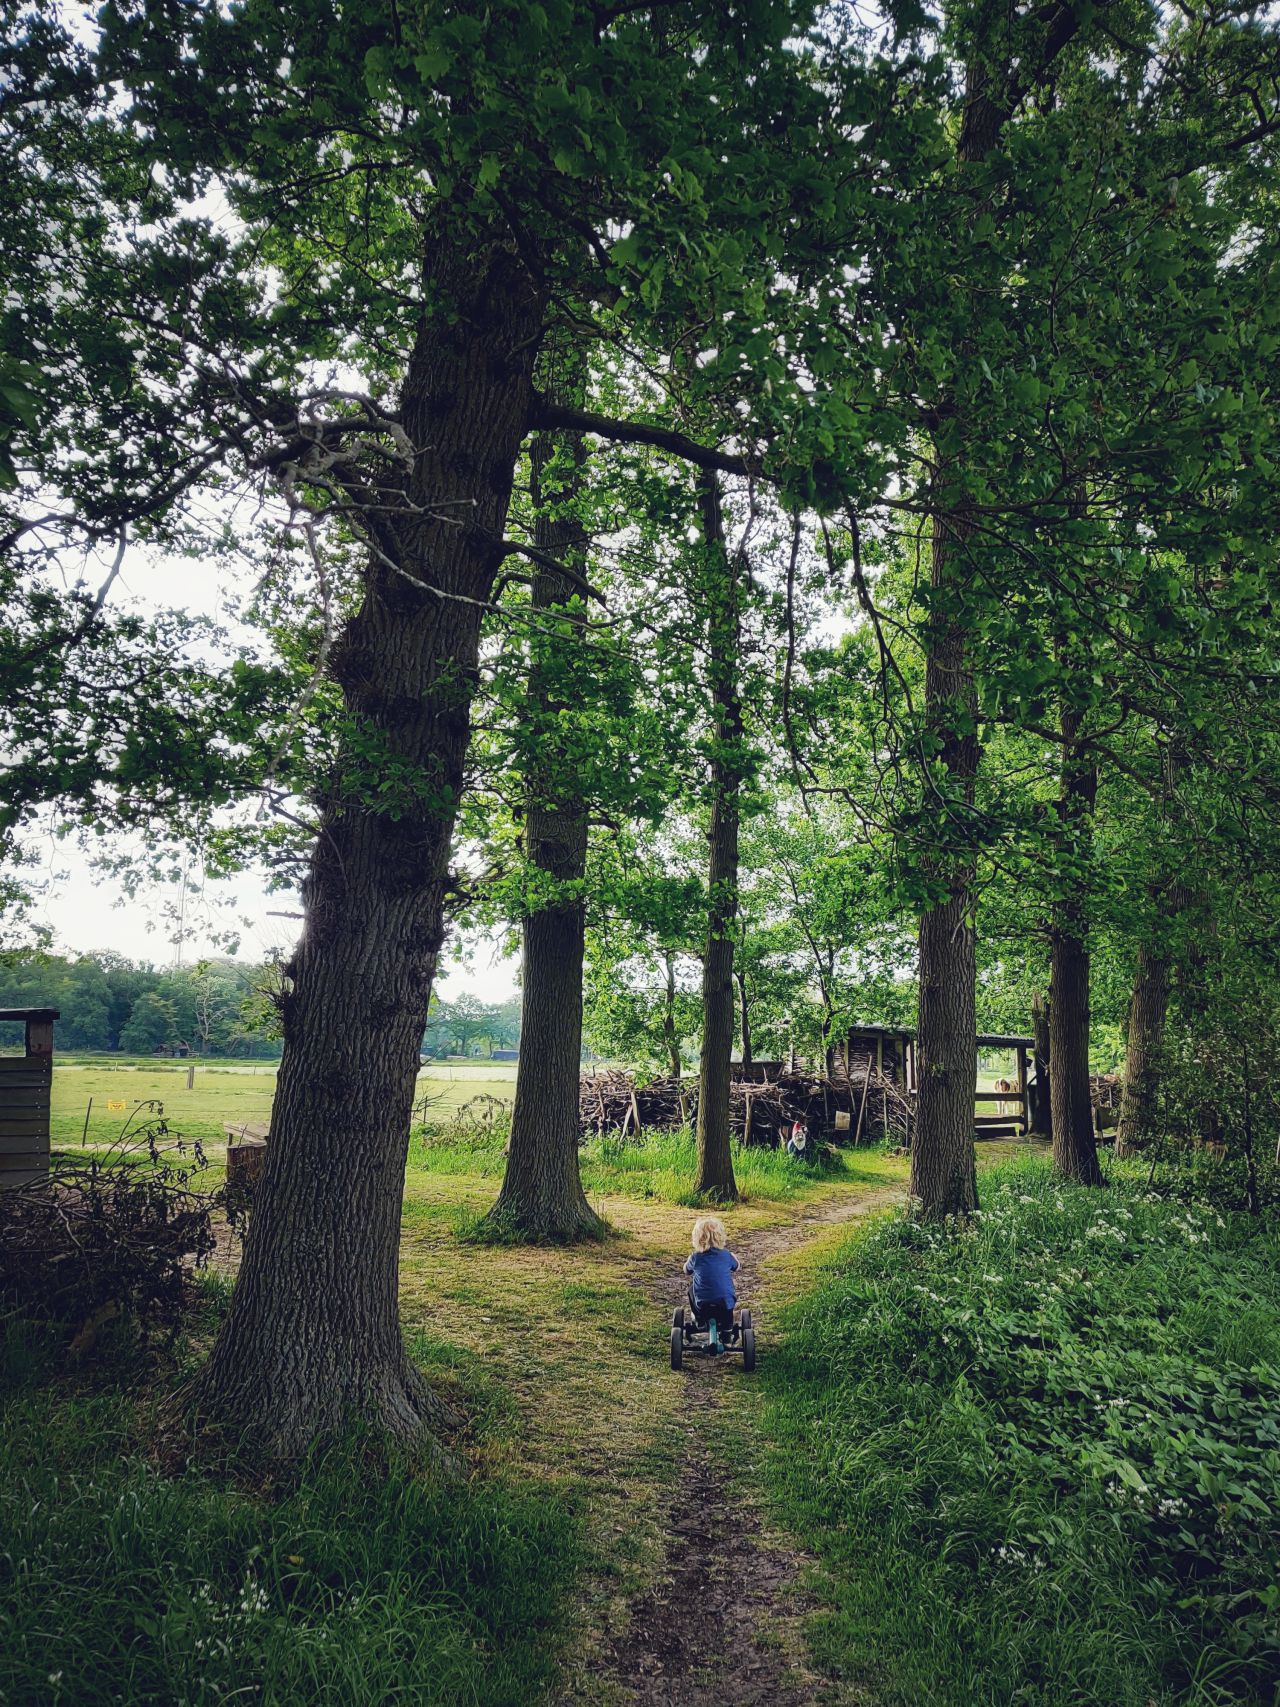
point(107, 1002)
point(469, 1026)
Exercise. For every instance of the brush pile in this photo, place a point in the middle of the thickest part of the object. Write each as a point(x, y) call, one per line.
point(610, 1101)
point(1105, 1088)
point(114, 1234)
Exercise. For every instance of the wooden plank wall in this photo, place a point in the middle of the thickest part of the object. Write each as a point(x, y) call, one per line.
point(25, 1084)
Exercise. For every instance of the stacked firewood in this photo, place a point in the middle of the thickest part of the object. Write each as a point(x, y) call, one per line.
point(1105, 1088)
point(610, 1101)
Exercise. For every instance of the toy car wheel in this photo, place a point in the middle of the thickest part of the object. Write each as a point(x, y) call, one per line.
point(748, 1348)
point(677, 1316)
point(677, 1347)
point(744, 1319)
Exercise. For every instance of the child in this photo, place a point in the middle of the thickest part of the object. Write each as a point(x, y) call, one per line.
point(712, 1266)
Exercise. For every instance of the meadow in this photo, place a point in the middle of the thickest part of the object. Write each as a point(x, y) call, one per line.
point(94, 1095)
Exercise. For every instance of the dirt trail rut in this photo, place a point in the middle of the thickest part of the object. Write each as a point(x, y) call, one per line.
point(725, 1611)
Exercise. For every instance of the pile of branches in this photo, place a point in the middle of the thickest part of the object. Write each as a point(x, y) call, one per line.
point(611, 1102)
point(1105, 1088)
point(117, 1233)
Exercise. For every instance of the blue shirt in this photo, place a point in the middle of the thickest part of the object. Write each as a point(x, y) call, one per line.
point(711, 1271)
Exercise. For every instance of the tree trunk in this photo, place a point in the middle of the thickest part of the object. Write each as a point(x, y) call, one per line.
point(1143, 1048)
point(1149, 1006)
point(670, 1035)
point(944, 1177)
point(944, 1174)
point(312, 1339)
point(1075, 1145)
point(744, 1014)
point(1041, 1115)
point(715, 1161)
point(542, 1196)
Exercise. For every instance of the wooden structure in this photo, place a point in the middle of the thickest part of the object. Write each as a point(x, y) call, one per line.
point(890, 1053)
point(26, 1081)
point(246, 1153)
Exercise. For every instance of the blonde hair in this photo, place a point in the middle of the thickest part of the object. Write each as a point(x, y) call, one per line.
point(709, 1233)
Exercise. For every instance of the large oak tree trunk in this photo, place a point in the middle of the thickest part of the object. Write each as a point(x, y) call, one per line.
point(715, 1161)
point(1075, 1146)
point(312, 1339)
point(542, 1196)
point(944, 1176)
point(943, 1162)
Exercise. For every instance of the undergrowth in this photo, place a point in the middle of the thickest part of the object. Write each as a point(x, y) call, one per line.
point(659, 1166)
point(1041, 1458)
point(121, 1583)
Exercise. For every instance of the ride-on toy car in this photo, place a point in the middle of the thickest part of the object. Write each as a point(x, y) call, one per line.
point(712, 1338)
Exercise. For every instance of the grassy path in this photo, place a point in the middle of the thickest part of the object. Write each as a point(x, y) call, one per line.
point(724, 1610)
point(685, 1587)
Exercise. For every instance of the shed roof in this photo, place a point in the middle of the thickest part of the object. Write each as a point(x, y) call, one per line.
point(29, 1013)
point(984, 1039)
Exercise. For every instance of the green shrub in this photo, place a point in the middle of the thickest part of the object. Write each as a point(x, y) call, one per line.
point(1042, 1456)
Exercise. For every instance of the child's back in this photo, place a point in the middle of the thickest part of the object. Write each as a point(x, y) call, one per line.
point(712, 1265)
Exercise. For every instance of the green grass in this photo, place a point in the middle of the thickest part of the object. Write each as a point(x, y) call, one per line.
point(1040, 1461)
point(109, 1087)
point(659, 1168)
point(119, 1583)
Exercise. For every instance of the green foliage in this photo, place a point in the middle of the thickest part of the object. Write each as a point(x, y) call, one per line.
point(1041, 1457)
point(358, 1583)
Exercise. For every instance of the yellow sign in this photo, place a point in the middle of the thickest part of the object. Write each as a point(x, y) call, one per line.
point(115, 1108)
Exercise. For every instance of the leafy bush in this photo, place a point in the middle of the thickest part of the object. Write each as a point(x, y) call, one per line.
point(1042, 1456)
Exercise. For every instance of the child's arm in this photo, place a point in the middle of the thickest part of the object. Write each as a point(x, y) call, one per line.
point(733, 1263)
point(688, 1265)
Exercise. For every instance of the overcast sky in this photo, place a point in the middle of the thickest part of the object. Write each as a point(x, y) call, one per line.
point(85, 914)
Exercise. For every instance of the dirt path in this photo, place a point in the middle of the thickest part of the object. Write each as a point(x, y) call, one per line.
point(725, 1612)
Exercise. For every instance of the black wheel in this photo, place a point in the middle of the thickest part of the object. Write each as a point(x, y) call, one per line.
point(744, 1319)
point(677, 1348)
point(677, 1317)
point(748, 1348)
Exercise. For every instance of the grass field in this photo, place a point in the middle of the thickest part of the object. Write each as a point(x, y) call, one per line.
point(108, 1088)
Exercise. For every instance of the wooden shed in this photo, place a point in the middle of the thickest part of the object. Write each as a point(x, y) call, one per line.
point(892, 1053)
point(26, 1081)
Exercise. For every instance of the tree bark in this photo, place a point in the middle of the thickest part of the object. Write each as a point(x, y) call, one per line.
point(744, 1015)
point(542, 1196)
point(1041, 1125)
point(944, 1175)
point(670, 1035)
point(1075, 1145)
point(715, 1161)
point(312, 1339)
point(1143, 1048)
point(943, 1163)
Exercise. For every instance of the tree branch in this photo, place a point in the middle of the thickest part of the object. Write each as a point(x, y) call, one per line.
point(545, 414)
